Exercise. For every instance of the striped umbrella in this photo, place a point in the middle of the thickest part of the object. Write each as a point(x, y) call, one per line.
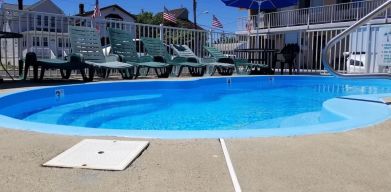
point(260, 5)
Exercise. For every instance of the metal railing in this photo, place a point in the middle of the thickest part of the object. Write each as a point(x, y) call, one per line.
point(343, 12)
point(358, 61)
point(47, 35)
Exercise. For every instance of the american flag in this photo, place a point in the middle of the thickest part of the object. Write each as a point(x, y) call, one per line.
point(96, 10)
point(216, 23)
point(169, 16)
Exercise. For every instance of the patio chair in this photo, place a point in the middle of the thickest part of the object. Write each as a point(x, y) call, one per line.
point(242, 66)
point(86, 48)
point(122, 44)
point(65, 67)
point(224, 69)
point(289, 53)
point(158, 51)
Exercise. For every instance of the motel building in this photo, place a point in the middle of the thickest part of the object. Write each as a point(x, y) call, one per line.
point(311, 24)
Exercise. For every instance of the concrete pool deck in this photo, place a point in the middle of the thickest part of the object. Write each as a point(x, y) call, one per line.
point(357, 160)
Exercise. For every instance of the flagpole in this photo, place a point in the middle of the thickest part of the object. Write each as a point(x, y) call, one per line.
point(259, 21)
point(163, 16)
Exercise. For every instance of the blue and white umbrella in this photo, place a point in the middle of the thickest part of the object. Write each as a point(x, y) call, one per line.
point(260, 5)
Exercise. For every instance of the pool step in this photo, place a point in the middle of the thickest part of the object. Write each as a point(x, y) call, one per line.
point(68, 113)
point(302, 119)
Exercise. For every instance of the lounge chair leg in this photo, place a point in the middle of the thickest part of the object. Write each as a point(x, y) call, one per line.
point(157, 71)
point(225, 71)
point(127, 73)
point(197, 71)
point(137, 72)
point(107, 73)
point(91, 73)
point(213, 71)
point(90, 76)
point(42, 74)
point(163, 72)
point(65, 75)
point(83, 74)
point(180, 71)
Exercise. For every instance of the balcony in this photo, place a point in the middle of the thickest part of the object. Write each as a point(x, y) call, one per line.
point(310, 16)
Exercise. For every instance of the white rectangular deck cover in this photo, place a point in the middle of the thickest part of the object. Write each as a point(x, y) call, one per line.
point(99, 154)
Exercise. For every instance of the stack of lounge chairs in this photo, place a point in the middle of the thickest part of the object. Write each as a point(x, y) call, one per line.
point(222, 68)
point(88, 59)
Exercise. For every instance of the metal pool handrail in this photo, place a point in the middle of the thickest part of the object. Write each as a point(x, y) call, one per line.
point(346, 32)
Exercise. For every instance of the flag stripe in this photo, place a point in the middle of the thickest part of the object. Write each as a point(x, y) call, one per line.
point(169, 16)
point(96, 10)
point(216, 23)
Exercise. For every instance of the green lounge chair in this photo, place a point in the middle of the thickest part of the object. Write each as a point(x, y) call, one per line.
point(242, 66)
point(222, 68)
point(65, 67)
point(87, 48)
point(158, 51)
point(122, 44)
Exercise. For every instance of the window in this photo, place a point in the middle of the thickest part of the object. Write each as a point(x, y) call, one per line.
point(59, 42)
point(36, 41)
point(39, 20)
point(46, 21)
point(52, 22)
point(45, 42)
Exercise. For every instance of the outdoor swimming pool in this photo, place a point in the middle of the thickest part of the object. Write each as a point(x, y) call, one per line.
point(208, 107)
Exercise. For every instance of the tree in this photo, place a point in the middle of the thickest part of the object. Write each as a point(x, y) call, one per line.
point(149, 18)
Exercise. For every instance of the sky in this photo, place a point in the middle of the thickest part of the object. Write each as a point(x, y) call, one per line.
point(227, 15)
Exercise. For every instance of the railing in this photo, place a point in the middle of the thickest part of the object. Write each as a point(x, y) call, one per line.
point(310, 16)
point(47, 35)
point(375, 62)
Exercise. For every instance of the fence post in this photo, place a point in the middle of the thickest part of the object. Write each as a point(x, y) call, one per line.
point(357, 13)
point(332, 13)
point(161, 32)
point(269, 21)
point(367, 52)
point(210, 37)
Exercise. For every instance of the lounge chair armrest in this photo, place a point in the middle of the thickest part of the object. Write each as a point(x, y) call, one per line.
point(239, 61)
point(121, 58)
point(177, 60)
point(208, 60)
point(112, 57)
point(146, 59)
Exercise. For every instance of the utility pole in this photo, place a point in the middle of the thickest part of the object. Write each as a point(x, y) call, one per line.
point(195, 13)
point(20, 4)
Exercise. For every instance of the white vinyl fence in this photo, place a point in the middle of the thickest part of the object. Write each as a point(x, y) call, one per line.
point(47, 35)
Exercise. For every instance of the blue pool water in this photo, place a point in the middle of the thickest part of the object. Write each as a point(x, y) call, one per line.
point(239, 103)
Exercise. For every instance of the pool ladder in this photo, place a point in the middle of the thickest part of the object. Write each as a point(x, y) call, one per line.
point(345, 33)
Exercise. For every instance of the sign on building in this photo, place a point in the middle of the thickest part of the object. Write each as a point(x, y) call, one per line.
point(384, 46)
